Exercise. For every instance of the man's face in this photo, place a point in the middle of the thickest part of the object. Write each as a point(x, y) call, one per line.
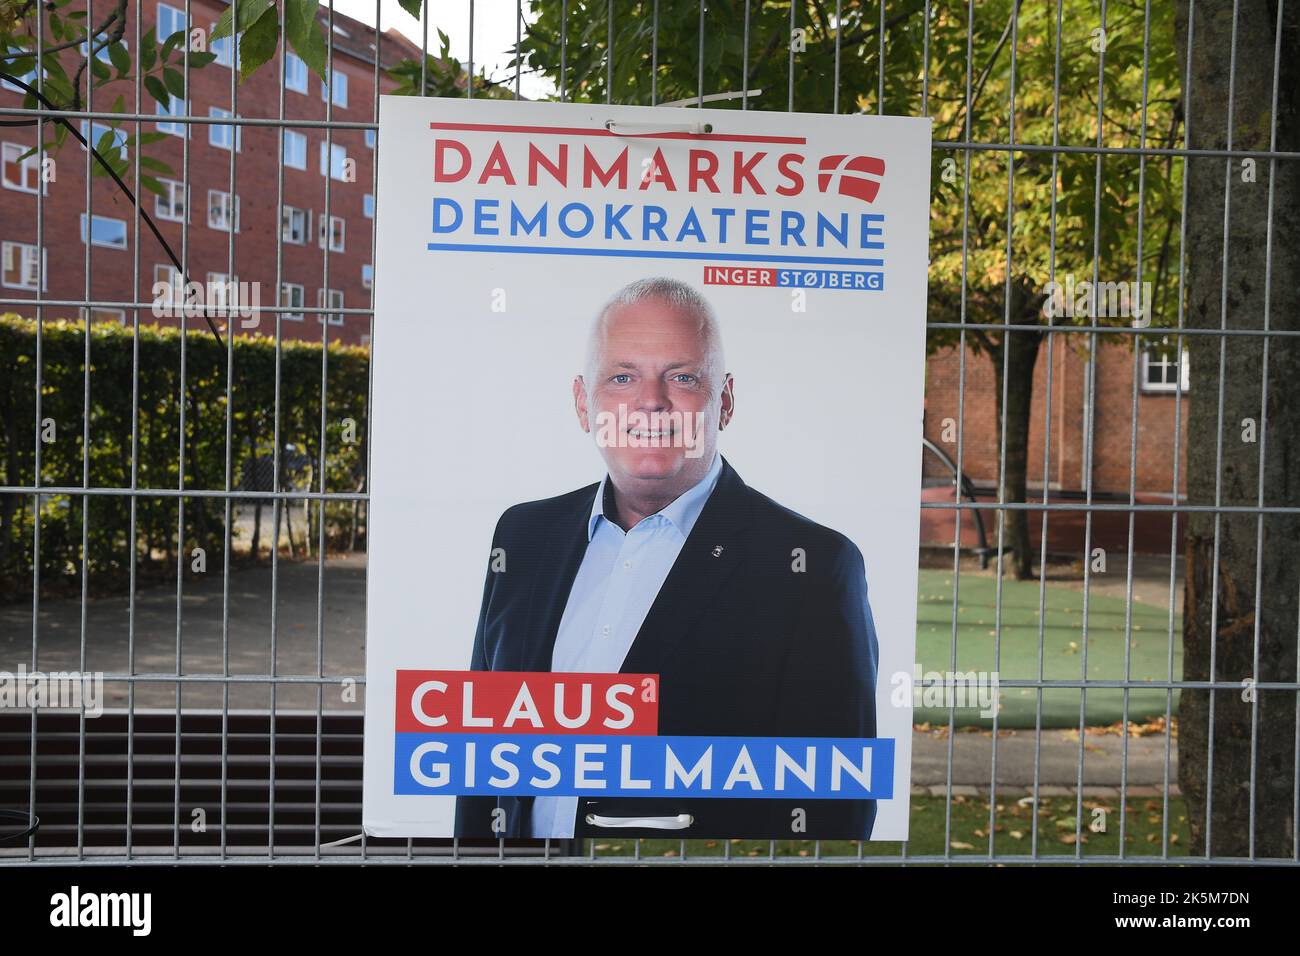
point(656, 400)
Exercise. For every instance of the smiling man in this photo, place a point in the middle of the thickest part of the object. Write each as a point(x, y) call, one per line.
point(754, 617)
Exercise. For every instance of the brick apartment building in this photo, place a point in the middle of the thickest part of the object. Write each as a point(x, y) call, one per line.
point(209, 212)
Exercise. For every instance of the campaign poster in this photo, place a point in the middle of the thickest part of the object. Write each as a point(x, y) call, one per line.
point(646, 451)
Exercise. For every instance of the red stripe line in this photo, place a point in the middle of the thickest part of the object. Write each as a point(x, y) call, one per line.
point(583, 131)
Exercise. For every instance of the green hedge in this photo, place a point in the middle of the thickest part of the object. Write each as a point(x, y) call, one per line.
point(252, 434)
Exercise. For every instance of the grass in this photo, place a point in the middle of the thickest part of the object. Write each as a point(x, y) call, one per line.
point(1013, 832)
point(1013, 649)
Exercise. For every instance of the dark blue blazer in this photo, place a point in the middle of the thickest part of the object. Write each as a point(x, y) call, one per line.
point(744, 644)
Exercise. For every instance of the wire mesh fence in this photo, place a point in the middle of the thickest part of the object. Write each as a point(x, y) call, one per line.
point(185, 506)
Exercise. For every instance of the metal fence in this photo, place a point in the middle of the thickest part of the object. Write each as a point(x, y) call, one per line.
point(194, 766)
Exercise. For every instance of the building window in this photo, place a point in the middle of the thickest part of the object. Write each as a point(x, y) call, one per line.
point(23, 175)
point(336, 229)
point(291, 298)
point(174, 107)
point(294, 224)
point(95, 134)
point(173, 293)
point(101, 54)
point(170, 203)
point(368, 205)
point(367, 276)
point(222, 136)
point(29, 77)
point(105, 231)
point(1163, 370)
point(222, 293)
point(220, 213)
point(295, 73)
point(100, 314)
point(338, 88)
point(329, 299)
point(22, 269)
point(338, 157)
point(370, 138)
point(226, 51)
point(170, 20)
point(295, 149)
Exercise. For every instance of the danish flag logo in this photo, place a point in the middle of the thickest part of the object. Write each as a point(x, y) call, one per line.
point(841, 169)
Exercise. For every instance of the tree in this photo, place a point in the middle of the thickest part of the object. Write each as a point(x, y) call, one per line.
point(993, 212)
point(1240, 613)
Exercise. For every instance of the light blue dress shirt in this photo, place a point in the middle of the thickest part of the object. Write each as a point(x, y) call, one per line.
point(619, 578)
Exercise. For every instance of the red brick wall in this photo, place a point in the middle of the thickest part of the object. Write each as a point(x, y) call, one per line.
point(1113, 455)
point(208, 249)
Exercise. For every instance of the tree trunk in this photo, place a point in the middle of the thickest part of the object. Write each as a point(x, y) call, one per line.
point(1023, 356)
point(1229, 622)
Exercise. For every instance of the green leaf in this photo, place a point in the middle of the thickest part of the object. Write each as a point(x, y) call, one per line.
point(412, 7)
point(121, 58)
point(199, 60)
point(100, 69)
point(148, 51)
point(250, 12)
point(169, 46)
point(157, 90)
point(119, 105)
point(305, 34)
point(258, 43)
point(174, 80)
point(151, 184)
point(152, 162)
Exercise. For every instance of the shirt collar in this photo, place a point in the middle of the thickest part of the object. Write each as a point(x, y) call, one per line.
point(681, 513)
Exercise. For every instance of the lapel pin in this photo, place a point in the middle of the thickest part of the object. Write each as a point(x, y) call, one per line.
point(717, 550)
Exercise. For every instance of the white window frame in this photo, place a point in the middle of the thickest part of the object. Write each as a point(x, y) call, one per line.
point(226, 50)
point(168, 212)
point(297, 137)
point(301, 303)
point(24, 249)
point(217, 293)
point(295, 73)
point(221, 135)
point(286, 220)
point(174, 107)
point(102, 54)
point(333, 301)
point(31, 165)
point(1162, 387)
point(324, 222)
point(173, 14)
point(336, 152)
point(338, 89)
point(165, 272)
point(235, 204)
point(93, 132)
point(99, 242)
point(29, 77)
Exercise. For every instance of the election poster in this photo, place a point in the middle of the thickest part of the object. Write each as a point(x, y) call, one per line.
point(646, 439)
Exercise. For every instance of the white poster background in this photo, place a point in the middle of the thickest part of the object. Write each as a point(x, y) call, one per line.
point(475, 354)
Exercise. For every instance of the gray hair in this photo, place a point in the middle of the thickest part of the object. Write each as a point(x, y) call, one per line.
point(678, 296)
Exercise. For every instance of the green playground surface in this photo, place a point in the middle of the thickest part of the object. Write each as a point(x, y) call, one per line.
point(1013, 650)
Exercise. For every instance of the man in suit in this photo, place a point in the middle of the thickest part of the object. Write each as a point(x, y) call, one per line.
point(754, 617)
